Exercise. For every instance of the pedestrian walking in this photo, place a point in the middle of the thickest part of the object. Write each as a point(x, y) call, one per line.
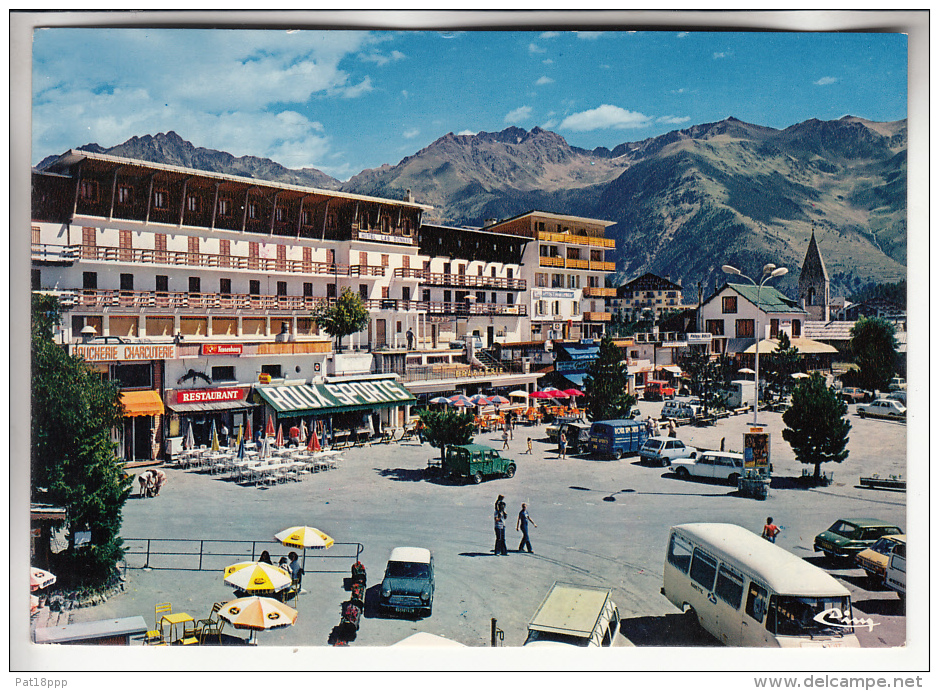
point(722, 443)
point(499, 516)
point(770, 530)
point(529, 446)
point(511, 421)
point(505, 440)
point(522, 524)
point(562, 445)
point(410, 336)
point(672, 429)
point(224, 435)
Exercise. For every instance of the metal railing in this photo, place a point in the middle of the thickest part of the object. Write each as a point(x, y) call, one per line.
point(461, 280)
point(186, 554)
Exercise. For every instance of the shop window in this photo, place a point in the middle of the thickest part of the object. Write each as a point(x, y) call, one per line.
point(223, 373)
point(133, 376)
point(729, 304)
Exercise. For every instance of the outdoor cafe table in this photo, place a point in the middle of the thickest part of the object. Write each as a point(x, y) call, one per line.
point(173, 620)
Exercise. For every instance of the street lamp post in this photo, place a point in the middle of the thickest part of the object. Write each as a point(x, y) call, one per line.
point(769, 271)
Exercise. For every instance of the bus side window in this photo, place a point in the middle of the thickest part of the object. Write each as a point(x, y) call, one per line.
point(756, 602)
point(679, 553)
point(729, 587)
point(703, 569)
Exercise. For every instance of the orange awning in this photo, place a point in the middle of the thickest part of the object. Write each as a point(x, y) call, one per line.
point(141, 403)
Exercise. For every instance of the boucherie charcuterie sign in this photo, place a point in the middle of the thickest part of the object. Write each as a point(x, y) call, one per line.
point(209, 395)
point(117, 352)
point(376, 393)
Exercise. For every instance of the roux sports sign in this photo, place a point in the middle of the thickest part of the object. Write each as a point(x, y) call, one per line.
point(376, 393)
point(116, 352)
point(209, 395)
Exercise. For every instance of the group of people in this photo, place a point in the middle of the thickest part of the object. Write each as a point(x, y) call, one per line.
point(151, 482)
point(524, 520)
point(290, 564)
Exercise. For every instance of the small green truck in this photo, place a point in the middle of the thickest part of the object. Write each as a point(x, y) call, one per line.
point(475, 461)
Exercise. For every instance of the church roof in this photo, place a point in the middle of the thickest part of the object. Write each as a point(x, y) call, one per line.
point(813, 268)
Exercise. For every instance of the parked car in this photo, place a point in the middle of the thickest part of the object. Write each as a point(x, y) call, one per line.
point(719, 465)
point(679, 410)
point(577, 435)
point(408, 585)
point(616, 438)
point(895, 578)
point(849, 536)
point(663, 450)
point(875, 558)
point(475, 462)
point(897, 384)
point(852, 394)
point(897, 396)
point(460, 343)
point(883, 407)
point(576, 615)
point(656, 390)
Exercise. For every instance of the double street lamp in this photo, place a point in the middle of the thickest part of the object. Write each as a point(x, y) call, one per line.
point(769, 271)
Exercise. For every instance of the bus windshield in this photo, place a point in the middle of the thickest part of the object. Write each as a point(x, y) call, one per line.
point(809, 616)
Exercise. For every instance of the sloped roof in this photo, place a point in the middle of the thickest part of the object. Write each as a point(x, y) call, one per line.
point(771, 300)
point(828, 331)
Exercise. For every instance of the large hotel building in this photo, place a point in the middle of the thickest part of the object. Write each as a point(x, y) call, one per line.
point(195, 292)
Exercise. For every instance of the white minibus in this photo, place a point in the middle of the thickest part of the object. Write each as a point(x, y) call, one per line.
point(746, 591)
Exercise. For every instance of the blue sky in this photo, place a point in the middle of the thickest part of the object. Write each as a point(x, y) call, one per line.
point(343, 101)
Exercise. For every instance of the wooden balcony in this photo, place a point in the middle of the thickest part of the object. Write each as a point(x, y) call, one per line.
point(72, 253)
point(597, 316)
point(602, 266)
point(461, 280)
point(607, 243)
point(551, 261)
point(577, 263)
point(596, 292)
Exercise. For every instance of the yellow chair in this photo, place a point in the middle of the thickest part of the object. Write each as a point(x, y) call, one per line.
point(156, 634)
point(212, 626)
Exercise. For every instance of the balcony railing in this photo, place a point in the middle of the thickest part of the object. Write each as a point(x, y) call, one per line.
point(596, 292)
point(461, 280)
point(132, 301)
point(602, 266)
point(577, 263)
point(578, 239)
point(597, 316)
point(214, 261)
point(551, 261)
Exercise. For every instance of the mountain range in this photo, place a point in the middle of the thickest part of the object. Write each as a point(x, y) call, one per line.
point(684, 203)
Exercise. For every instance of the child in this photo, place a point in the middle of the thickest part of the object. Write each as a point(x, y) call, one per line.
point(529, 446)
point(505, 440)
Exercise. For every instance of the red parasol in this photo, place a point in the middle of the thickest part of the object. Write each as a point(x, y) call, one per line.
point(269, 430)
point(280, 437)
point(313, 444)
point(248, 437)
point(574, 392)
point(540, 394)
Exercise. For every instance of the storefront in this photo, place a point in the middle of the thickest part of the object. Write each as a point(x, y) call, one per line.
point(372, 404)
point(142, 414)
point(227, 407)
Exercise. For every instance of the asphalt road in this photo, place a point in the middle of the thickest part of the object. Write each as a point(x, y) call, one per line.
point(599, 523)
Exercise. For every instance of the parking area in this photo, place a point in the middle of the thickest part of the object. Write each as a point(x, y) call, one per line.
point(599, 523)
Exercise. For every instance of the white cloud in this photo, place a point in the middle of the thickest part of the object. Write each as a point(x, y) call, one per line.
point(357, 90)
point(381, 59)
point(405, 93)
point(519, 114)
point(547, 61)
point(590, 35)
point(682, 34)
point(604, 66)
point(411, 133)
point(605, 117)
point(549, 124)
point(544, 80)
point(532, 48)
point(469, 132)
point(549, 34)
point(718, 56)
point(678, 91)
point(672, 119)
point(825, 81)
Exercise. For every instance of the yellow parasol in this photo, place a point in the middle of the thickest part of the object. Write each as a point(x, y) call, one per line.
point(257, 577)
point(305, 537)
point(257, 614)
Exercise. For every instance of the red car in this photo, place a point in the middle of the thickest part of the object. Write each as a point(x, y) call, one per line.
point(656, 390)
point(855, 395)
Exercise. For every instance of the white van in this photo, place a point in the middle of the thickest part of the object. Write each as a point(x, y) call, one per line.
point(746, 591)
point(576, 615)
point(896, 571)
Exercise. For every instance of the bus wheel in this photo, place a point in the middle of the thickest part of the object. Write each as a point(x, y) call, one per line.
point(691, 617)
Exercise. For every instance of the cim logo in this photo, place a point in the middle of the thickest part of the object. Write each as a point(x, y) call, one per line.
point(835, 617)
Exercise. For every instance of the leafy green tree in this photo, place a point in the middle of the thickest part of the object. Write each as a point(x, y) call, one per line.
point(874, 345)
point(443, 428)
point(72, 458)
point(708, 377)
point(607, 386)
point(816, 427)
point(346, 317)
point(780, 365)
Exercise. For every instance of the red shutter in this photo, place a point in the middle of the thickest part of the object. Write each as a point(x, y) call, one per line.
point(281, 258)
point(254, 250)
point(193, 251)
point(88, 243)
point(224, 250)
point(159, 246)
point(308, 260)
point(125, 243)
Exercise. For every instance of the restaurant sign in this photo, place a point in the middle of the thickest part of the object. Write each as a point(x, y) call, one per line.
point(366, 394)
point(209, 395)
point(222, 349)
point(118, 352)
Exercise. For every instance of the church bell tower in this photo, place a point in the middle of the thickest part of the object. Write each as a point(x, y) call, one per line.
point(813, 283)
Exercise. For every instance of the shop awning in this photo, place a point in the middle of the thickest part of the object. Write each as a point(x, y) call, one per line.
point(138, 403)
point(335, 397)
point(674, 369)
point(575, 379)
point(209, 406)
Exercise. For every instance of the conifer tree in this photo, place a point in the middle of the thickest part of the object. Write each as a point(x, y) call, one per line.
point(816, 427)
point(606, 385)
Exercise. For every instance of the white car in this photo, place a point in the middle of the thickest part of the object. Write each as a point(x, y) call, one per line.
point(718, 465)
point(664, 450)
point(883, 407)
